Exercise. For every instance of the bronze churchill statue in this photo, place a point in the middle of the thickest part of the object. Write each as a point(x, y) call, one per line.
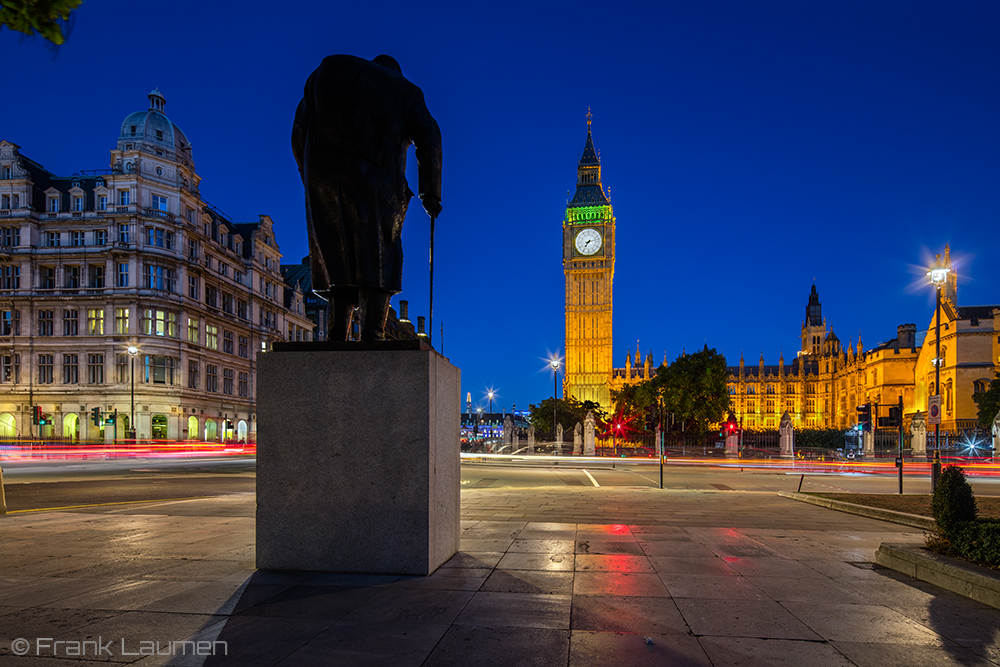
point(352, 129)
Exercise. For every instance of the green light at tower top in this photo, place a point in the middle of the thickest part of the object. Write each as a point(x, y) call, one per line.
point(588, 215)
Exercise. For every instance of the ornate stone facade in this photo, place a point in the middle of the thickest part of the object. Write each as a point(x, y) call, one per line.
point(824, 384)
point(132, 255)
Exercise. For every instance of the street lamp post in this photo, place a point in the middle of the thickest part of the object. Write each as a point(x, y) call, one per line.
point(554, 363)
point(938, 275)
point(489, 418)
point(132, 351)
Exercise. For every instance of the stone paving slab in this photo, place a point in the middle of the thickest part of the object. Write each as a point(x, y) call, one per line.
point(580, 576)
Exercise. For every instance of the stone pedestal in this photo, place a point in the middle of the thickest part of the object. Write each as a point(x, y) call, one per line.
point(918, 433)
point(578, 439)
point(357, 458)
point(868, 443)
point(733, 445)
point(557, 446)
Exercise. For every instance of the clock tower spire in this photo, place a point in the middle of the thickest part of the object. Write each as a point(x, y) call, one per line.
point(589, 268)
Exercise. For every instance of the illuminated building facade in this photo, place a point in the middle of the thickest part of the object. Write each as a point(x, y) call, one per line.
point(589, 268)
point(824, 384)
point(93, 263)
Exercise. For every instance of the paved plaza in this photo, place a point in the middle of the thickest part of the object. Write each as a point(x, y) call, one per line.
point(552, 576)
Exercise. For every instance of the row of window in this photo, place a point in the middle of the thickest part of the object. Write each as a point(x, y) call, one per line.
point(154, 276)
point(153, 322)
point(770, 389)
point(212, 379)
point(155, 369)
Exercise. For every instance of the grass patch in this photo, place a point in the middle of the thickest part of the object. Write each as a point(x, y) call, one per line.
point(911, 503)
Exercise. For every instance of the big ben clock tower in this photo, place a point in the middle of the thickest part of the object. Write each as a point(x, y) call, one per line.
point(589, 265)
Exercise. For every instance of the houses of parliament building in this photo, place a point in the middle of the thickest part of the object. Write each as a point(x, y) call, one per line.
point(820, 387)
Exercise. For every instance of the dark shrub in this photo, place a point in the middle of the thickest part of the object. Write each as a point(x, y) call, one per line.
point(979, 541)
point(953, 503)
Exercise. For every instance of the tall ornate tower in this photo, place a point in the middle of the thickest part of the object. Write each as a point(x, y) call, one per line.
point(814, 326)
point(589, 265)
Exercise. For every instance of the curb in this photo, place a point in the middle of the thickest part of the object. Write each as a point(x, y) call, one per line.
point(972, 581)
point(912, 520)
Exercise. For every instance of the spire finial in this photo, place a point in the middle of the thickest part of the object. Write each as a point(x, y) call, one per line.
point(590, 117)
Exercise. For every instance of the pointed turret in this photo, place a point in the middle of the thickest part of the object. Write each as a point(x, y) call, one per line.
point(589, 191)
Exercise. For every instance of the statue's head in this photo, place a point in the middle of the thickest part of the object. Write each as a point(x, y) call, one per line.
point(387, 61)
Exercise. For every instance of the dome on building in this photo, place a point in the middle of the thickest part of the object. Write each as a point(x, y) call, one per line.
point(153, 126)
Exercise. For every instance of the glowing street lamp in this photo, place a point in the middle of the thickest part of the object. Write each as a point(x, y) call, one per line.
point(489, 415)
point(555, 363)
point(938, 276)
point(132, 351)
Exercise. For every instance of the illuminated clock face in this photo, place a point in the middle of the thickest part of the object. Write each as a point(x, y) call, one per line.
point(588, 242)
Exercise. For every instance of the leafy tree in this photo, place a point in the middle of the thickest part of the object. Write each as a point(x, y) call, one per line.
point(637, 404)
point(693, 388)
point(989, 403)
point(47, 18)
point(569, 412)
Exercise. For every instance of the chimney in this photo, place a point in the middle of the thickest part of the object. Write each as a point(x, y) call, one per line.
point(404, 311)
point(420, 327)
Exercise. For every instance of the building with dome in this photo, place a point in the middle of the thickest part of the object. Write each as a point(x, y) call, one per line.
point(124, 280)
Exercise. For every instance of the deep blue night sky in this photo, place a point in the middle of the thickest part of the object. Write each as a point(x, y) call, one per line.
point(750, 149)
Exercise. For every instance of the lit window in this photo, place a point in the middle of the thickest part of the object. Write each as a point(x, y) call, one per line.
point(121, 321)
point(212, 336)
point(159, 323)
point(95, 322)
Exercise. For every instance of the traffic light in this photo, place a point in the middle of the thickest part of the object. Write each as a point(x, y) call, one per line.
point(895, 416)
point(95, 414)
point(112, 417)
point(865, 416)
point(36, 415)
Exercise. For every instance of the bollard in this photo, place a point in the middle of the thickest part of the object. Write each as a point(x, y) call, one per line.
point(935, 470)
point(3, 499)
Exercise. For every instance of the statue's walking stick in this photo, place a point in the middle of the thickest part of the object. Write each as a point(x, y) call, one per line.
point(430, 328)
